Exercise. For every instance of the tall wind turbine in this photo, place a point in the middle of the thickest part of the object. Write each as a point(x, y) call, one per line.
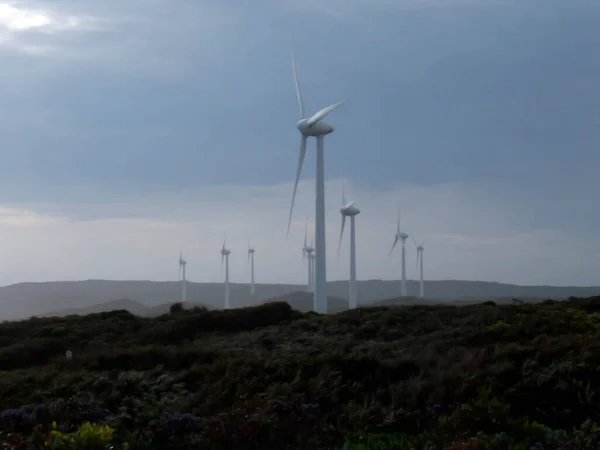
point(225, 256)
point(349, 210)
point(401, 237)
point(251, 259)
point(308, 253)
point(420, 249)
point(314, 126)
point(182, 264)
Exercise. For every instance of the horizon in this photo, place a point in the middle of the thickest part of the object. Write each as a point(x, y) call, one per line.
point(131, 132)
point(247, 283)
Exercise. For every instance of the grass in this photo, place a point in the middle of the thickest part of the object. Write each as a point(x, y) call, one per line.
point(469, 377)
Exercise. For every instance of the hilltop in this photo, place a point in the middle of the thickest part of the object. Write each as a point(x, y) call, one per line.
point(268, 376)
point(55, 298)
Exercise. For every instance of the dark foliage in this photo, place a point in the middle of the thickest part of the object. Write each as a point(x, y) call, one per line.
point(284, 377)
point(176, 308)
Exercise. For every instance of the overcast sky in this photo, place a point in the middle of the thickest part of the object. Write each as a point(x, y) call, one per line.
point(133, 128)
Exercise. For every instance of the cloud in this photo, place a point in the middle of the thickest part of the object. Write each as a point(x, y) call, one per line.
point(141, 238)
point(26, 26)
point(16, 17)
point(128, 123)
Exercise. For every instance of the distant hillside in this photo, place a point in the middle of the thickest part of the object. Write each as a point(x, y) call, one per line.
point(27, 299)
point(133, 307)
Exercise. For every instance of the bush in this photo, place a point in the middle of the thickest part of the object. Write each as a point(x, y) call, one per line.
point(217, 379)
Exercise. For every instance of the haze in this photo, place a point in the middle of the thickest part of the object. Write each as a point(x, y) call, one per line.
point(134, 129)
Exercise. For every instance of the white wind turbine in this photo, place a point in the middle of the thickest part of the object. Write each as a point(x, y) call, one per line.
point(401, 236)
point(182, 264)
point(315, 127)
point(308, 253)
point(349, 210)
point(225, 256)
point(420, 249)
point(251, 259)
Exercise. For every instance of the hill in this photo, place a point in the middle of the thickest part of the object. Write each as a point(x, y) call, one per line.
point(135, 308)
point(452, 377)
point(27, 299)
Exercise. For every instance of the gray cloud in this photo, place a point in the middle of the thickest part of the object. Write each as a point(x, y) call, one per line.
point(135, 122)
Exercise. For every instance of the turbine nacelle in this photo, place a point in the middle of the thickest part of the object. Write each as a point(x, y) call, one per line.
point(349, 210)
point(319, 128)
point(225, 252)
point(402, 236)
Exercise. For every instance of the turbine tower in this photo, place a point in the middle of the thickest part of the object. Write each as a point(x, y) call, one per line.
point(308, 253)
point(349, 210)
point(314, 126)
point(420, 249)
point(311, 268)
point(401, 236)
point(251, 259)
point(225, 256)
point(182, 264)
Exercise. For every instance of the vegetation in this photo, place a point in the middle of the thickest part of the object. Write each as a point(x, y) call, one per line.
point(471, 377)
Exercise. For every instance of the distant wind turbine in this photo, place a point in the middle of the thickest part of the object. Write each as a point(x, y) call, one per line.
point(225, 256)
point(251, 259)
point(182, 264)
point(307, 252)
point(315, 127)
point(349, 210)
point(420, 249)
point(400, 236)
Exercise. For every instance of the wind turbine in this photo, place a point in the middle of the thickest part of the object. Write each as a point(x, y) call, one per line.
point(307, 252)
point(349, 210)
point(401, 236)
point(420, 249)
point(225, 256)
point(182, 264)
point(314, 126)
point(251, 259)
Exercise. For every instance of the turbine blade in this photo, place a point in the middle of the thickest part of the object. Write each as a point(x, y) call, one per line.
point(341, 235)
point(321, 114)
point(418, 253)
point(350, 204)
point(398, 227)
point(343, 193)
point(298, 171)
point(414, 242)
point(298, 92)
point(393, 245)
